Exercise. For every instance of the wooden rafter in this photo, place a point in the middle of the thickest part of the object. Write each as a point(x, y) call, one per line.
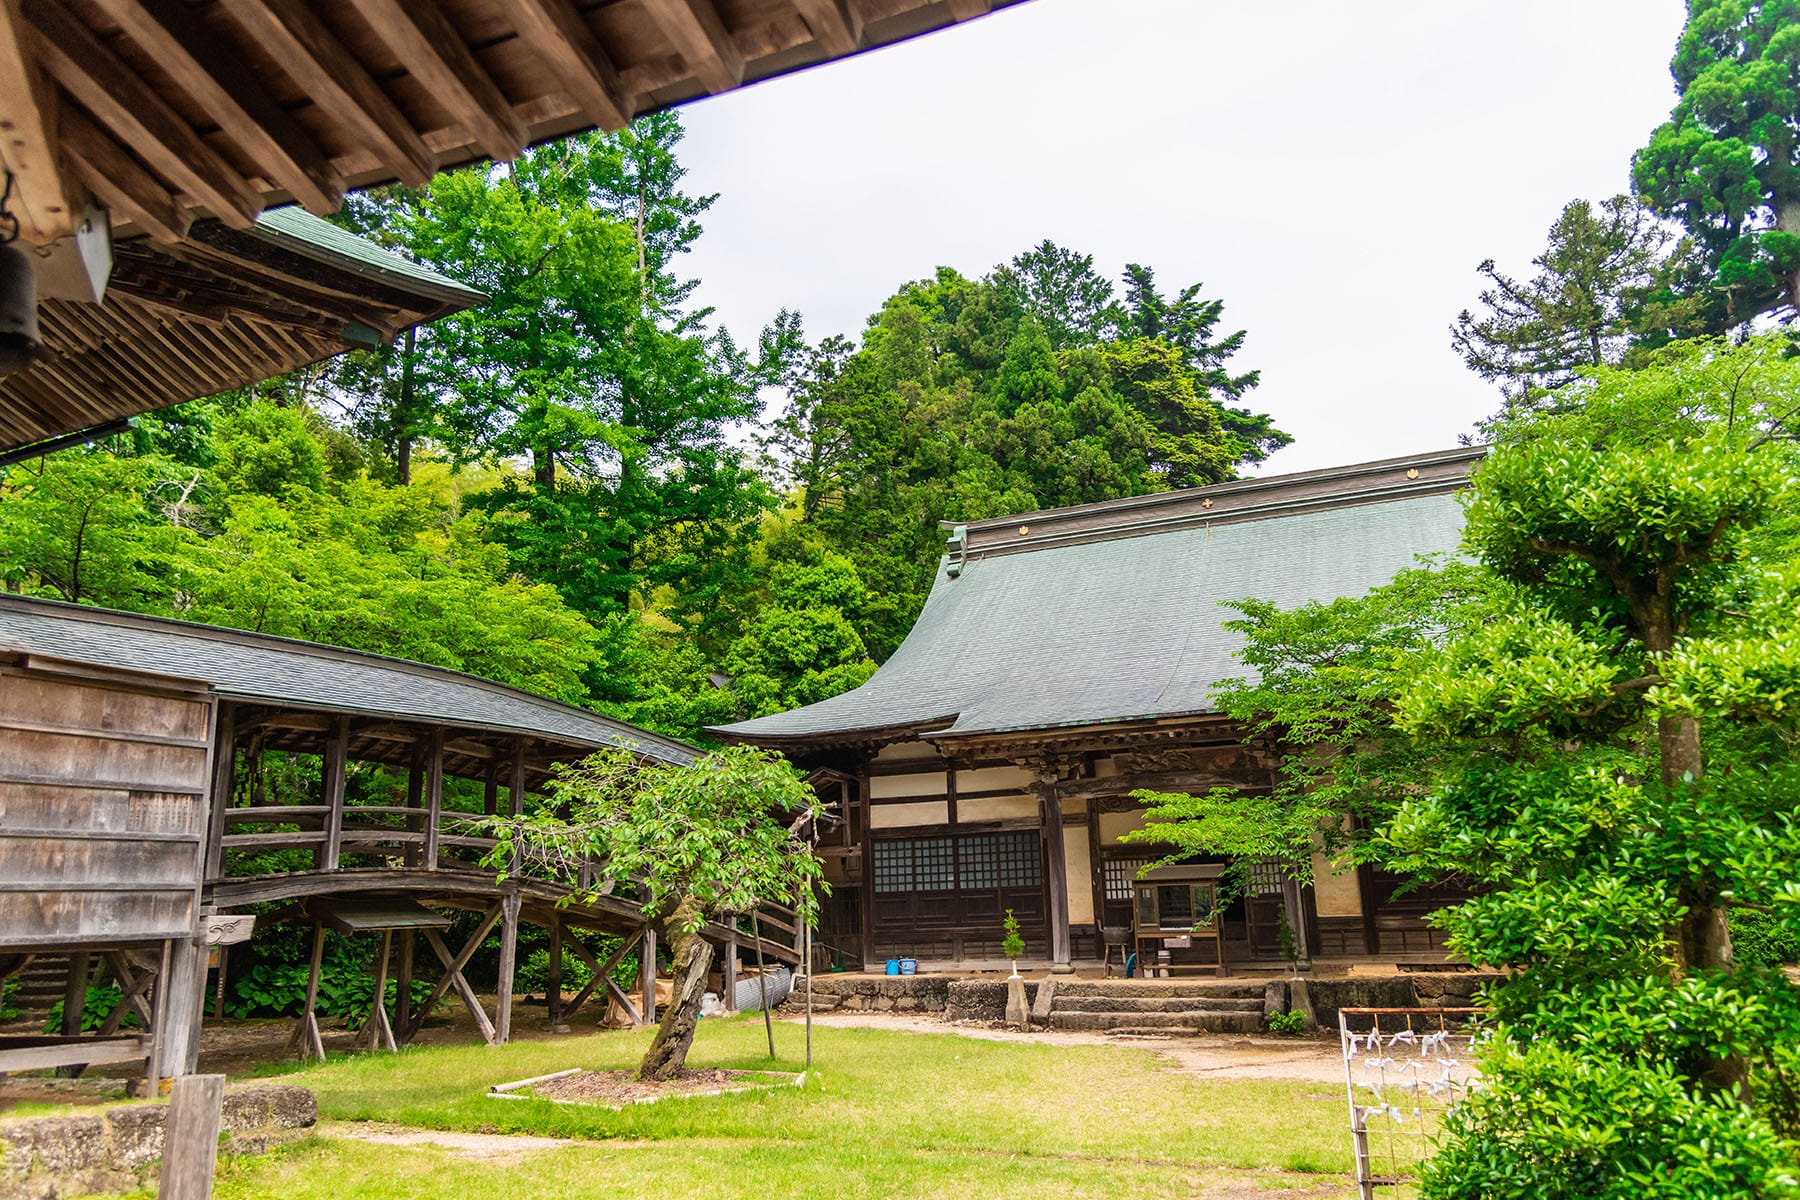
point(836, 23)
point(132, 112)
point(208, 71)
point(556, 31)
point(307, 50)
point(121, 183)
point(695, 28)
point(425, 41)
point(46, 201)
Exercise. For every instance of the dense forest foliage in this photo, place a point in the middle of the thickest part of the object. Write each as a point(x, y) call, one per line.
point(586, 488)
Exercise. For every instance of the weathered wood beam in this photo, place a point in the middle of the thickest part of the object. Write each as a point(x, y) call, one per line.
point(215, 77)
point(434, 796)
point(647, 975)
point(218, 793)
point(335, 770)
point(601, 976)
point(136, 115)
point(559, 34)
point(47, 202)
point(700, 36)
point(967, 10)
point(837, 24)
point(509, 957)
point(129, 192)
point(430, 48)
point(453, 972)
point(336, 81)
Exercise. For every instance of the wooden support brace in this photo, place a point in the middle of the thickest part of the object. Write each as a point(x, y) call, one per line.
point(306, 1032)
point(602, 975)
point(453, 971)
point(376, 1030)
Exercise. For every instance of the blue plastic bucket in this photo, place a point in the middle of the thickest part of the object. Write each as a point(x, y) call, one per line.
point(893, 966)
point(909, 966)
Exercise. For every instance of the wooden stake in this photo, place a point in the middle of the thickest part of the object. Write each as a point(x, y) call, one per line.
point(191, 1137)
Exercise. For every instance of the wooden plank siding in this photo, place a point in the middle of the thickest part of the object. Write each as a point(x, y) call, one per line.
point(102, 808)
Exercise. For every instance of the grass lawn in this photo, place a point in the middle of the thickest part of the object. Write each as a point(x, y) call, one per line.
point(886, 1114)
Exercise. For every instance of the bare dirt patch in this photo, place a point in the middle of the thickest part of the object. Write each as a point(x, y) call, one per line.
point(484, 1146)
point(1220, 1056)
point(624, 1087)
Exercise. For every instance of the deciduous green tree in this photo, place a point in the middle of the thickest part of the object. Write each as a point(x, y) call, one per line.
point(698, 844)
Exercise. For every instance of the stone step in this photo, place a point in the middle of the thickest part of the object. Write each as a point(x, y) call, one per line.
point(1235, 989)
point(1202, 1021)
point(1155, 1004)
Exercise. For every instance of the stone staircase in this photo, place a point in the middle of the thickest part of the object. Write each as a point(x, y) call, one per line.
point(1158, 1008)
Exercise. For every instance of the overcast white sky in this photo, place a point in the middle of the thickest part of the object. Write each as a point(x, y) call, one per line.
point(1334, 171)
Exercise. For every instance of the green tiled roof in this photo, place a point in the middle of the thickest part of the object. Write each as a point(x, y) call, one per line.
point(1126, 623)
point(298, 230)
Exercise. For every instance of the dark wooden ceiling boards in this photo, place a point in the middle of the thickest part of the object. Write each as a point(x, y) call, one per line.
point(165, 110)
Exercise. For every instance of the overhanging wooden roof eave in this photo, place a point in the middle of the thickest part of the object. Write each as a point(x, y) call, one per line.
point(652, 745)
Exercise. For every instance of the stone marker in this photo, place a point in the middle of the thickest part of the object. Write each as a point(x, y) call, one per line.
point(1015, 1002)
point(1040, 1007)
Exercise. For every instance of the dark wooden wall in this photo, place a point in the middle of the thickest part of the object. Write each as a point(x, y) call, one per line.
point(102, 808)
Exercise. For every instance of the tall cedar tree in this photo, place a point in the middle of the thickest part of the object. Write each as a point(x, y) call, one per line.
point(1613, 281)
point(1726, 164)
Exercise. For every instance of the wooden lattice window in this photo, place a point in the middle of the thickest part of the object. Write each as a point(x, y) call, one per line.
point(1118, 874)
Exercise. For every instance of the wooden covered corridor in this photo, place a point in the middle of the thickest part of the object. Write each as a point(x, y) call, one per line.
point(134, 810)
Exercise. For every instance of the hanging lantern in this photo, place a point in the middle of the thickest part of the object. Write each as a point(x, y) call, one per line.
point(20, 343)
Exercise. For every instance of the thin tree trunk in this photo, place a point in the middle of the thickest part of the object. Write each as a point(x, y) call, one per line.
point(403, 433)
point(1703, 938)
point(690, 959)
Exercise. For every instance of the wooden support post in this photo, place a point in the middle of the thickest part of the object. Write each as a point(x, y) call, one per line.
point(515, 792)
point(403, 976)
point(1056, 868)
point(553, 997)
point(509, 956)
point(1296, 919)
point(647, 975)
point(377, 1030)
point(434, 796)
point(728, 971)
point(453, 974)
point(75, 985)
point(334, 772)
point(312, 1045)
point(865, 812)
point(184, 999)
point(191, 1137)
point(415, 798)
point(218, 798)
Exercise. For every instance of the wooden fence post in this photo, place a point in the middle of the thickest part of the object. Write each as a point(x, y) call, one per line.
point(191, 1137)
